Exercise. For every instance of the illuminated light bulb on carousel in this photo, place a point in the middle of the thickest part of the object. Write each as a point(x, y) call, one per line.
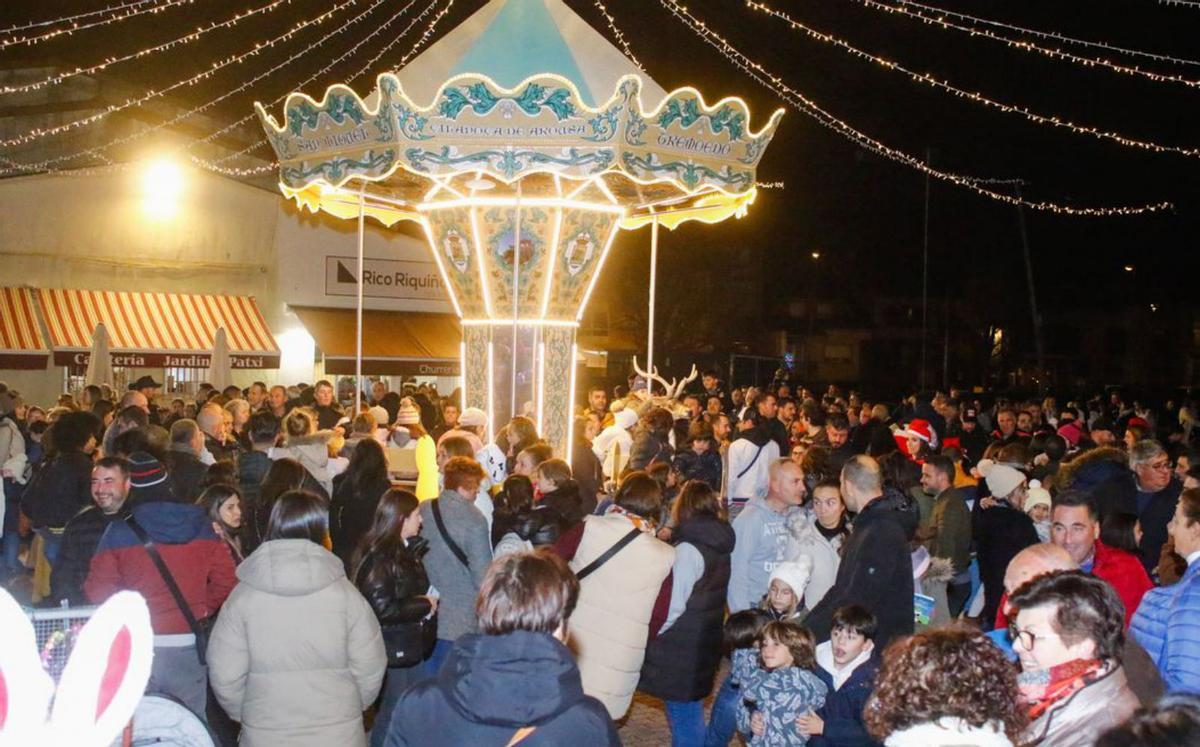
point(520, 172)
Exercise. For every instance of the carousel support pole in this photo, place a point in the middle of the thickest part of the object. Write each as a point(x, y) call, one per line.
point(653, 287)
point(516, 308)
point(358, 382)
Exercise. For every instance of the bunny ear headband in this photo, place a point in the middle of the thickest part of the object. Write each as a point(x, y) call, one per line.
point(100, 687)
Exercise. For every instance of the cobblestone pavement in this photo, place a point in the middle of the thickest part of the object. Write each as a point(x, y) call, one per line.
point(646, 724)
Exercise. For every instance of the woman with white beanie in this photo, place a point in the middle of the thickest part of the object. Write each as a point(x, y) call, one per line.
point(1001, 529)
point(784, 599)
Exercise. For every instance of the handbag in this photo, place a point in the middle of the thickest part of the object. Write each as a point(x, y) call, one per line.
point(201, 629)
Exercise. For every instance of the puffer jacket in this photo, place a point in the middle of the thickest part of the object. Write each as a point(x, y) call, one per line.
point(806, 539)
point(1167, 624)
point(296, 655)
point(493, 687)
point(1080, 719)
point(539, 525)
point(1103, 473)
point(611, 623)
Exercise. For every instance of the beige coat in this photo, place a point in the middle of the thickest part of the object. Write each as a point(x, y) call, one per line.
point(610, 625)
point(296, 654)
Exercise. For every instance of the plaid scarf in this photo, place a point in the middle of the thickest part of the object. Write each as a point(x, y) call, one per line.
point(1042, 688)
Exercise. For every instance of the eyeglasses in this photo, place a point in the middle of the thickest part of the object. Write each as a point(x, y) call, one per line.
point(1159, 465)
point(1027, 638)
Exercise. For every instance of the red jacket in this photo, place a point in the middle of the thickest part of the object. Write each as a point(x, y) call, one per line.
point(1125, 573)
point(1122, 570)
point(198, 560)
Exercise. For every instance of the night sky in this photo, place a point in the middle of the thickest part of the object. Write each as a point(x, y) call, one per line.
point(862, 212)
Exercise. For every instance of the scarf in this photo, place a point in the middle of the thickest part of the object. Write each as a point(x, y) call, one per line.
point(634, 519)
point(830, 534)
point(1042, 688)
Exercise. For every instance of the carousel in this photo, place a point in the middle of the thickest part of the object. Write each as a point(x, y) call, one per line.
point(521, 142)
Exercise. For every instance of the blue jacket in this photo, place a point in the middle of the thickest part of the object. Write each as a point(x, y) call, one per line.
point(843, 709)
point(492, 686)
point(1167, 624)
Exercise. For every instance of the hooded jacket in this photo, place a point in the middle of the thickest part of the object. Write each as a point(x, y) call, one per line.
point(296, 655)
point(843, 709)
point(1103, 473)
point(195, 555)
point(493, 686)
point(762, 537)
point(313, 452)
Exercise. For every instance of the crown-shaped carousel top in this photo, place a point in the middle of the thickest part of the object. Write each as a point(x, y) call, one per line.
point(522, 99)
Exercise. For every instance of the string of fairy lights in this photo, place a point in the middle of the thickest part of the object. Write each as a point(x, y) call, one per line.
point(1052, 35)
point(978, 98)
point(940, 21)
point(46, 166)
point(75, 18)
point(258, 48)
point(269, 167)
point(807, 106)
point(186, 39)
point(617, 34)
point(37, 32)
point(75, 26)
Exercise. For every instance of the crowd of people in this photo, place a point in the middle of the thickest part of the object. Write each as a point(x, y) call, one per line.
point(952, 569)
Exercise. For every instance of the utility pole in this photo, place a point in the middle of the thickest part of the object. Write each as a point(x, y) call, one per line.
point(1033, 311)
point(925, 275)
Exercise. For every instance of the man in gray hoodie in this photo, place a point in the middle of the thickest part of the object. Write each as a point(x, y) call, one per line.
point(762, 535)
point(460, 551)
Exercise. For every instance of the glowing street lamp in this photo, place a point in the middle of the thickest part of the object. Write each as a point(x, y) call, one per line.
point(162, 186)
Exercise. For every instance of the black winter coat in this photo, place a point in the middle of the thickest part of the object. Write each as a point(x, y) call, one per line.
point(589, 474)
point(59, 490)
point(693, 466)
point(187, 474)
point(539, 525)
point(1157, 510)
point(351, 512)
point(252, 468)
point(79, 542)
point(1000, 533)
point(491, 686)
point(395, 587)
point(565, 501)
point(680, 664)
point(648, 448)
point(876, 572)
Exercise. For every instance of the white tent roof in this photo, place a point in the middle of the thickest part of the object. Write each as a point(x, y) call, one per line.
point(511, 40)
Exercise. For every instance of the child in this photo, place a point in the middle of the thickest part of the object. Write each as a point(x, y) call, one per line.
point(1037, 505)
point(557, 490)
point(784, 599)
point(774, 700)
point(741, 640)
point(847, 667)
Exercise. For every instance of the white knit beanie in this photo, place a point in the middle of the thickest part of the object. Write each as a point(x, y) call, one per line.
point(794, 573)
point(1001, 479)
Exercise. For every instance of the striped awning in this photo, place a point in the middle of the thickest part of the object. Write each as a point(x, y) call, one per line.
point(21, 342)
point(150, 330)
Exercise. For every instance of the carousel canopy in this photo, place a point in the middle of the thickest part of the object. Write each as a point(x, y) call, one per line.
point(523, 100)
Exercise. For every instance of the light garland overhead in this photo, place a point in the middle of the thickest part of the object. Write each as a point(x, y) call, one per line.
point(216, 166)
point(617, 34)
point(122, 14)
point(978, 98)
point(39, 133)
point(1025, 46)
point(186, 39)
point(812, 109)
point(76, 17)
point(1055, 36)
point(97, 151)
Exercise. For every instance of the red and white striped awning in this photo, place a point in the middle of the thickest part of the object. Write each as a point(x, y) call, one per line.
point(21, 342)
point(150, 330)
